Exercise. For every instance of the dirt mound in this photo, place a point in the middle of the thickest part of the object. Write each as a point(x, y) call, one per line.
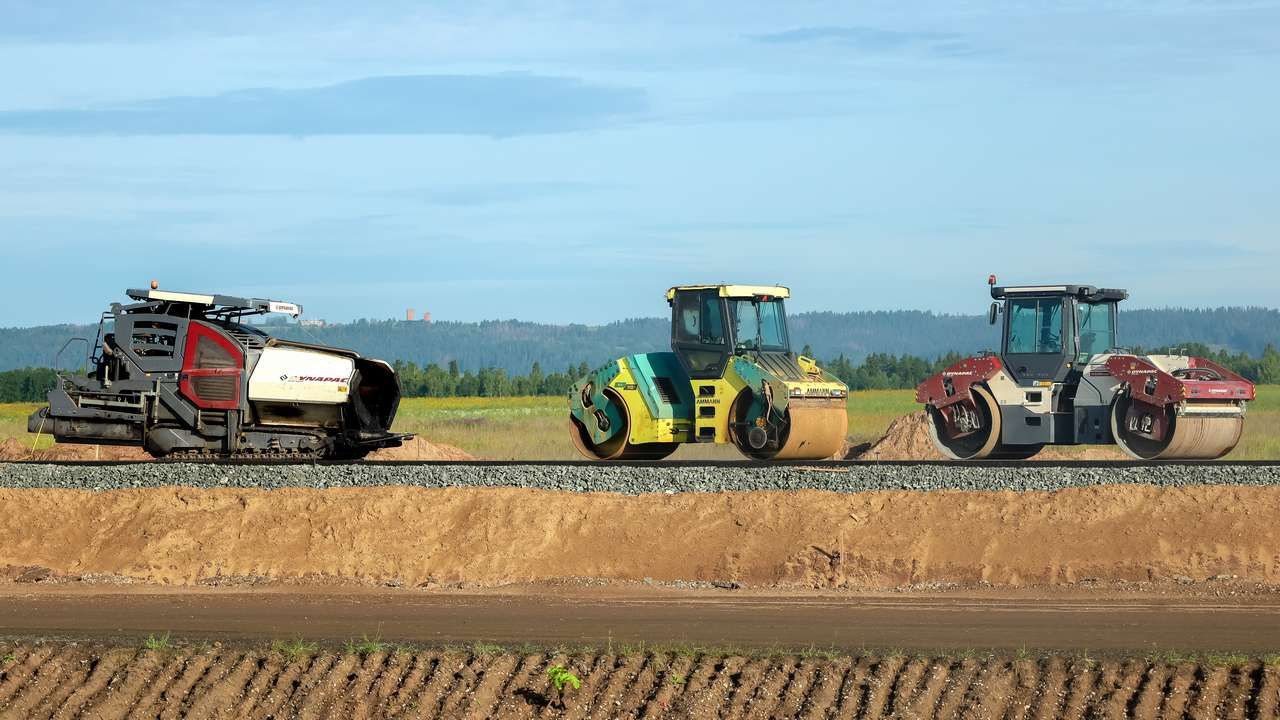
point(491, 536)
point(908, 439)
point(51, 680)
point(419, 449)
point(12, 449)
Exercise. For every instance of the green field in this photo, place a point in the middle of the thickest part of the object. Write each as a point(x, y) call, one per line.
point(536, 428)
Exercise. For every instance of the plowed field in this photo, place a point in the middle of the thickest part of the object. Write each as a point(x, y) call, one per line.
point(56, 681)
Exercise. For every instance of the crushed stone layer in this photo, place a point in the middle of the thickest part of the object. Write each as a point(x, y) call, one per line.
point(52, 680)
point(409, 536)
point(635, 480)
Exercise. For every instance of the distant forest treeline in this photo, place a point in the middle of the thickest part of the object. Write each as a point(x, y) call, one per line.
point(515, 346)
point(878, 371)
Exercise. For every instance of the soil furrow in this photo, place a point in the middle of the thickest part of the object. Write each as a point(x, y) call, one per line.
point(640, 689)
point(113, 662)
point(1115, 701)
point(224, 693)
point(880, 685)
point(121, 695)
point(399, 665)
point(595, 676)
point(516, 697)
point(79, 668)
point(41, 683)
point(458, 697)
point(606, 703)
point(853, 692)
point(420, 670)
point(1208, 692)
point(933, 683)
point(487, 693)
point(799, 687)
point(426, 703)
point(673, 682)
point(298, 677)
point(1053, 690)
point(712, 700)
point(1237, 695)
point(822, 699)
point(906, 686)
point(1177, 698)
point(541, 684)
point(354, 705)
point(1146, 701)
point(319, 701)
point(1082, 676)
point(771, 688)
point(1022, 693)
point(269, 670)
point(21, 670)
point(174, 697)
point(1268, 692)
point(957, 689)
point(995, 682)
point(219, 666)
point(17, 664)
point(744, 684)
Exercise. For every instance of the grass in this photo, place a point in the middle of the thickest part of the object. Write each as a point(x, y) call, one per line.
point(294, 650)
point(157, 642)
point(536, 428)
point(366, 646)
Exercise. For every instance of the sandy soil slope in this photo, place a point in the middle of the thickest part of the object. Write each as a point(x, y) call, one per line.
point(47, 681)
point(908, 439)
point(10, 449)
point(783, 539)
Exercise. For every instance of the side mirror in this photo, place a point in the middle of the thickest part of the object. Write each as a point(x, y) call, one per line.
point(992, 312)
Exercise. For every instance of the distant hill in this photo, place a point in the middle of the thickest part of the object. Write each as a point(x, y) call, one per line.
point(515, 345)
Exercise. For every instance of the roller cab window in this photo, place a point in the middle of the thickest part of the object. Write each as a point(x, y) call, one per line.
point(699, 334)
point(1038, 343)
point(1097, 329)
point(759, 325)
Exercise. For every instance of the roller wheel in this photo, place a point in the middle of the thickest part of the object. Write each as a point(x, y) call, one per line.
point(812, 430)
point(978, 445)
point(616, 447)
point(1188, 438)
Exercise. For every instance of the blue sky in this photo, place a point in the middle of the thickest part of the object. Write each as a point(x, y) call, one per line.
point(566, 162)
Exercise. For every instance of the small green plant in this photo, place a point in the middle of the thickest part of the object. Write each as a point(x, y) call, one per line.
point(366, 646)
point(9, 658)
point(157, 642)
point(676, 679)
point(561, 678)
point(1271, 659)
point(294, 649)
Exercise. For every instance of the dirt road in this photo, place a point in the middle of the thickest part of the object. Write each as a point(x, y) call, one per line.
point(578, 616)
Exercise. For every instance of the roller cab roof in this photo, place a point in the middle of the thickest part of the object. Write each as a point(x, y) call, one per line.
point(736, 291)
point(1086, 293)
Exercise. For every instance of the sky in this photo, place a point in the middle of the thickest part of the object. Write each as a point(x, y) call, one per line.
point(567, 162)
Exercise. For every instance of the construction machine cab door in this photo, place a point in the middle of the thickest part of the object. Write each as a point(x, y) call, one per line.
point(1039, 337)
point(700, 336)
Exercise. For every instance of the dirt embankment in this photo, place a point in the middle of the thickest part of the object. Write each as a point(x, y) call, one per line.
point(11, 449)
point(908, 439)
point(49, 681)
point(493, 536)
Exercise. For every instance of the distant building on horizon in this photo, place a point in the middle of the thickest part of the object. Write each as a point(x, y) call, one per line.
point(312, 323)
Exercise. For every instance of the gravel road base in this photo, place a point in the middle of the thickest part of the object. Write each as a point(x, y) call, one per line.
point(633, 480)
